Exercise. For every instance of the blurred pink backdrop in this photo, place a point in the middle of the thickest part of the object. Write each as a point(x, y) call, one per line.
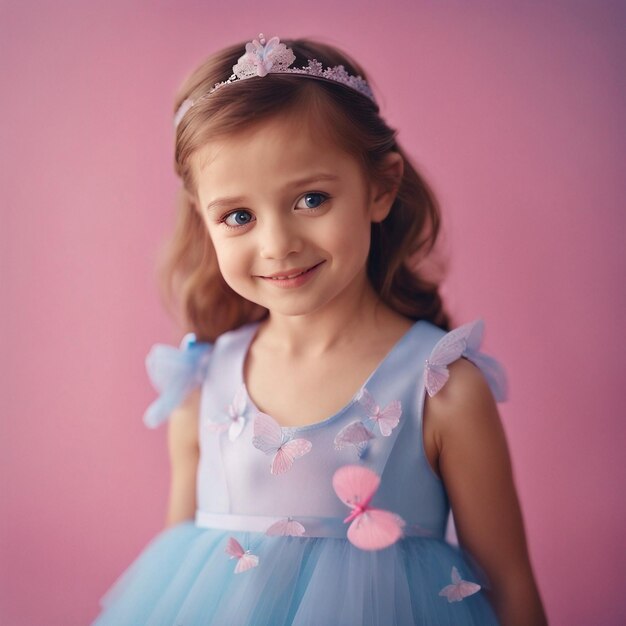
point(513, 110)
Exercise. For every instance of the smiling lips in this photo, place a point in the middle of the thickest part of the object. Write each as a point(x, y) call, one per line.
point(294, 277)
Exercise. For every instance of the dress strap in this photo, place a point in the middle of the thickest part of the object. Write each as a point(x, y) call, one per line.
point(174, 372)
point(403, 353)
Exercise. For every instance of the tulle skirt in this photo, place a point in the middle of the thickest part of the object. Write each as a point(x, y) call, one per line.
point(183, 577)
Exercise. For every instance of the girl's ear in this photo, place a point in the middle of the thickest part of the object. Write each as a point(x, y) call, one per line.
point(383, 194)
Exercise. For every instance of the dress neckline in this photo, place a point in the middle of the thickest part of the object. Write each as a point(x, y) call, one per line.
point(254, 328)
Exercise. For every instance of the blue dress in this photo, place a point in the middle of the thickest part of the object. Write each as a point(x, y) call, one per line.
point(266, 492)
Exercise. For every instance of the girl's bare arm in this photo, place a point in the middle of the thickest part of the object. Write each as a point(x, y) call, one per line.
point(475, 465)
point(184, 451)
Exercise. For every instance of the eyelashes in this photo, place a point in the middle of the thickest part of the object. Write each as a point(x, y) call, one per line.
point(230, 219)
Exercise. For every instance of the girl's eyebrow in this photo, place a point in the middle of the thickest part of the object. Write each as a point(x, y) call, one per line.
point(322, 176)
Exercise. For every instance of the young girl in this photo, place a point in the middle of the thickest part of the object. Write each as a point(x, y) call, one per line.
point(323, 415)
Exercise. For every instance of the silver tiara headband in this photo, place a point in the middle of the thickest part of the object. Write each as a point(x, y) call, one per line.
point(273, 57)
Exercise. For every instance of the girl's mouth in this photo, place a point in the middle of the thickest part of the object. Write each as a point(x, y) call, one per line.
point(294, 278)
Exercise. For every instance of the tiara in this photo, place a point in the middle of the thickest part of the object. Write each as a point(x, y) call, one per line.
point(273, 57)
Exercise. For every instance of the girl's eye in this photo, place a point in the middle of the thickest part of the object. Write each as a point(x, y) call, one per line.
point(315, 196)
point(237, 218)
point(241, 217)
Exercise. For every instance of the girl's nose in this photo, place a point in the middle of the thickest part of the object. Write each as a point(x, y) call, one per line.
point(278, 239)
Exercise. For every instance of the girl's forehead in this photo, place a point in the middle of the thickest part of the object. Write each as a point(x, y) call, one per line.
point(282, 150)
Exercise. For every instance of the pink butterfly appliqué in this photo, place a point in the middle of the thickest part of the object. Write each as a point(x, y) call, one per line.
point(448, 349)
point(235, 421)
point(459, 588)
point(387, 418)
point(354, 434)
point(245, 559)
point(371, 529)
point(270, 438)
point(284, 527)
point(464, 341)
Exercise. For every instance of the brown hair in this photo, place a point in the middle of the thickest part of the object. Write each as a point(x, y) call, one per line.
point(190, 279)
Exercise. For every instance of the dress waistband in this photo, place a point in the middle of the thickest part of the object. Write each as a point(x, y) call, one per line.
point(313, 526)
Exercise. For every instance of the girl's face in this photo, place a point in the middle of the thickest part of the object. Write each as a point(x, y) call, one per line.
point(289, 215)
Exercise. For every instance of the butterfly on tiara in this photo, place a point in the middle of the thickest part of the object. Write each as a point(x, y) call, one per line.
point(261, 56)
point(286, 527)
point(459, 588)
point(270, 438)
point(245, 559)
point(370, 528)
point(235, 421)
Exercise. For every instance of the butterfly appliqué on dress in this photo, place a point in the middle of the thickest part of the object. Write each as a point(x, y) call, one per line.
point(245, 559)
point(371, 529)
point(459, 588)
point(358, 434)
point(235, 419)
point(354, 434)
point(464, 341)
point(448, 349)
point(286, 527)
point(270, 438)
point(386, 419)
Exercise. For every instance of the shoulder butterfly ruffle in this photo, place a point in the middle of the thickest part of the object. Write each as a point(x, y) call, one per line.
point(174, 372)
point(464, 341)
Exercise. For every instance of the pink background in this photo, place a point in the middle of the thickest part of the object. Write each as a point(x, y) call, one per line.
point(513, 110)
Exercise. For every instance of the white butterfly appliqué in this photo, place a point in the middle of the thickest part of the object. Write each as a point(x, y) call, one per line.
point(235, 421)
point(270, 438)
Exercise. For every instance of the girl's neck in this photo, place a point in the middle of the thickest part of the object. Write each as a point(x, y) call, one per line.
point(333, 327)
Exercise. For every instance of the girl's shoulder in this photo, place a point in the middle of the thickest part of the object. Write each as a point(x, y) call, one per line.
point(232, 339)
point(468, 377)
